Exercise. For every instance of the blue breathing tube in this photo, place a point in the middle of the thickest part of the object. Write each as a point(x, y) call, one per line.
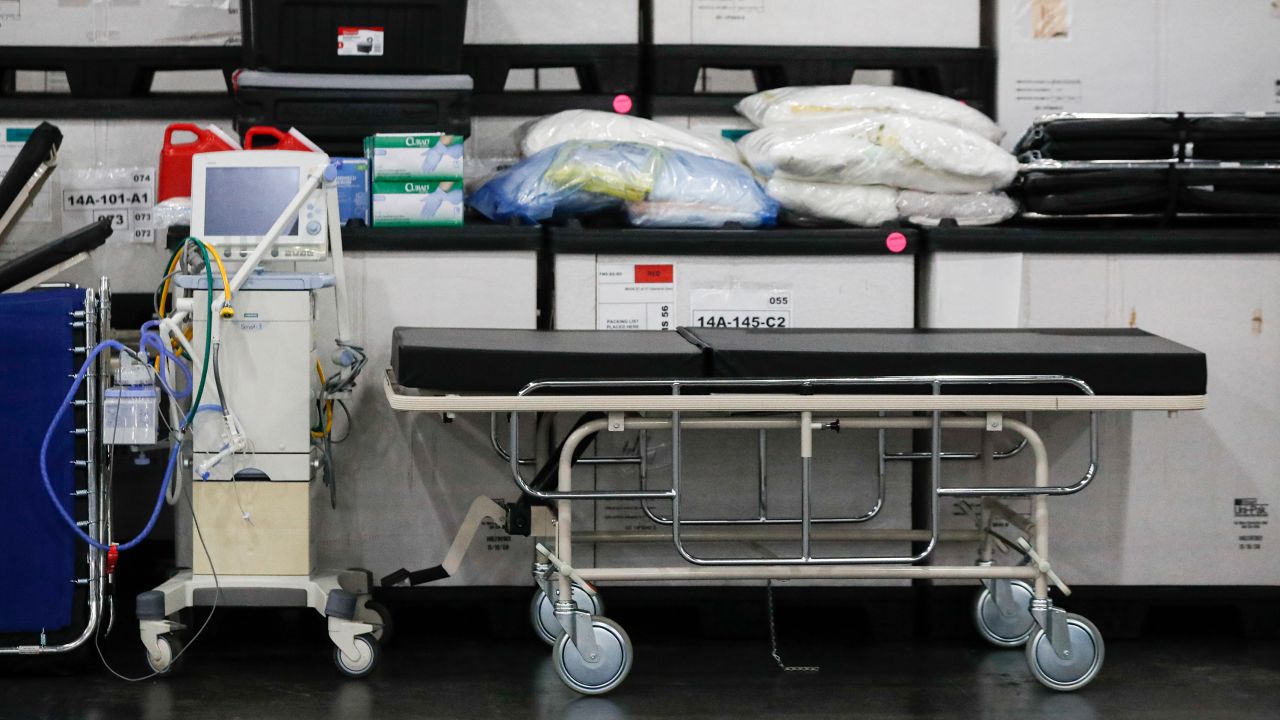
point(48, 437)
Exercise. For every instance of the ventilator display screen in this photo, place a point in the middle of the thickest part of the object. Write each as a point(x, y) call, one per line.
point(246, 201)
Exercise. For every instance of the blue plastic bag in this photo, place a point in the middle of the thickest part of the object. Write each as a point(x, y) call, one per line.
point(655, 186)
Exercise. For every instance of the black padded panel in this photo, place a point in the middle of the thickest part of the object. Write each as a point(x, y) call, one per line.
point(44, 141)
point(1111, 361)
point(48, 255)
point(464, 360)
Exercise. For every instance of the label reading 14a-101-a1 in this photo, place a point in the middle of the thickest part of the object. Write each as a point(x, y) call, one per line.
point(125, 195)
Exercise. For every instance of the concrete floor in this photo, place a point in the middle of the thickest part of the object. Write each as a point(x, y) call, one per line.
point(278, 666)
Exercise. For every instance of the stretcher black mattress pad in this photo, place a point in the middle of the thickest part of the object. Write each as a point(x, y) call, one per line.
point(1110, 361)
point(464, 360)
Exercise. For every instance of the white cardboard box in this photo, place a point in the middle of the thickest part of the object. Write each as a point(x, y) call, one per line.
point(1136, 56)
point(720, 467)
point(553, 22)
point(118, 22)
point(874, 23)
point(89, 144)
point(406, 480)
point(1163, 507)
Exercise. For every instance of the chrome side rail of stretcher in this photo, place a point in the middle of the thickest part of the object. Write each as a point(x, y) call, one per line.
point(936, 382)
point(806, 424)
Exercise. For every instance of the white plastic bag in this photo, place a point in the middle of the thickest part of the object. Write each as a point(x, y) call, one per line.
point(690, 215)
point(966, 209)
point(597, 125)
point(791, 104)
point(880, 149)
point(856, 205)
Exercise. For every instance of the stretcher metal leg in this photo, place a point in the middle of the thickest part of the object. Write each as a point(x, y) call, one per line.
point(592, 654)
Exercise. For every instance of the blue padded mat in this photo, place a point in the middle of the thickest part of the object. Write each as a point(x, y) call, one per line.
point(40, 552)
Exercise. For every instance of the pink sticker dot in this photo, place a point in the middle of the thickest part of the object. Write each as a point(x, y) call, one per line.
point(896, 242)
point(622, 104)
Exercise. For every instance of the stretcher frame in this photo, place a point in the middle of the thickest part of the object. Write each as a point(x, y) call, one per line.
point(806, 411)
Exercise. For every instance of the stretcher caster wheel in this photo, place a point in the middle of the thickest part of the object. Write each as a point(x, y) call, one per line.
point(358, 667)
point(1071, 673)
point(170, 656)
point(1006, 627)
point(377, 615)
point(542, 612)
point(608, 670)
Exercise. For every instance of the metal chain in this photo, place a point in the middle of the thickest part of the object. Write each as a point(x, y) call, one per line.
point(773, 637)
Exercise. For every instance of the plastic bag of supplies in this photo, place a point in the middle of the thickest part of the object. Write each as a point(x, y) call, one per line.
point(668, 188)
point(596, 125)
point(881, 149)
point(792, 104)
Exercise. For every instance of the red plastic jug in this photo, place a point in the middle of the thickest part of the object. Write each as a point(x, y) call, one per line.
point(292, 140)
point(175, 158)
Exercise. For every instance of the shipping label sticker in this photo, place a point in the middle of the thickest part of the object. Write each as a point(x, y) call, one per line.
point(1250, 516)
point(635, 296)
point(126, 195)
point(366, 41)
point(741, 307)
point(11, 141)
point(496, 539)
point(1048, 95)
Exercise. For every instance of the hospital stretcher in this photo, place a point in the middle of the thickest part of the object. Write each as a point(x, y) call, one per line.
point(804, 382)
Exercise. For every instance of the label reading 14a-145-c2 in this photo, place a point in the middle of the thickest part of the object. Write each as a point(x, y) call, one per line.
point(753, 308)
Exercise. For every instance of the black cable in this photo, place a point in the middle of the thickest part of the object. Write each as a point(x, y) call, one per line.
point(217, 595)
point(347, 413)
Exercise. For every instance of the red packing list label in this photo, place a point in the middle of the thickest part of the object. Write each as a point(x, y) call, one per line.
point(635, 296)
point(655, 274)
point(366, 41)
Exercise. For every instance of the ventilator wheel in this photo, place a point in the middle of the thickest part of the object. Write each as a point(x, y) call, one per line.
point(601, 675)
point(542, 612)
point(1070, 673)
point(170, 654)
point(361, 666)
point(1010, 626)
point(377, 615)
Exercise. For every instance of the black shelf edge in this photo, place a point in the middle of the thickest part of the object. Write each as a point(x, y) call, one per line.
point(700, 104)
point(481, 236)
point(158, 106)
point(730, 242)
point(470, 237)
point(601, 68)
point(1205, 239)
point(672, 71)
point(538, 102)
